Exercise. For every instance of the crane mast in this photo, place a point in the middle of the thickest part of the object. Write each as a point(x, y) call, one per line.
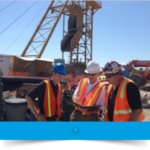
point(77, 40)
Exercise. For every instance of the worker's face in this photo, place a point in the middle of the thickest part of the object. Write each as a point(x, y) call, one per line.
point(112, 79)
point(57, 77)
point(92, 77)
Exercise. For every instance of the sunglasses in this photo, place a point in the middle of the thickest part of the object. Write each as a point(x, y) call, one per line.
point(91, 74)
point(107, 69)
point(109, 76)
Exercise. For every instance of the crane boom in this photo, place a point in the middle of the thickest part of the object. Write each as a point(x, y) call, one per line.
point(39, 31)
point(77, 39)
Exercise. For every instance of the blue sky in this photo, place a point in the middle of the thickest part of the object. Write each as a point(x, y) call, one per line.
point(121, 30)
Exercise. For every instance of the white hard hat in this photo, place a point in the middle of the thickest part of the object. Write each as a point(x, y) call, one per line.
point(93, 67)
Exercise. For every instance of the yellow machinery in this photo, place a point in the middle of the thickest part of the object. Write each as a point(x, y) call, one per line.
point(77, 40)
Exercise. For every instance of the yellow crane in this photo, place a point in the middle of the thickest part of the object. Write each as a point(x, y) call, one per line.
point(77, 40)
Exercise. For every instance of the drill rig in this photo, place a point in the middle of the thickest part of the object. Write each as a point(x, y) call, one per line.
point(77, 40)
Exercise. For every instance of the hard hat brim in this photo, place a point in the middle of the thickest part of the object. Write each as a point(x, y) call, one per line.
point(61, 73)
point(92, 72)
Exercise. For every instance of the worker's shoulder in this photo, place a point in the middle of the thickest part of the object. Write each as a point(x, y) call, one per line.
point(40, 85)
point(37, 88)
point(132, 88)
point(131, 85)
point(46, 81)
point(83, 79)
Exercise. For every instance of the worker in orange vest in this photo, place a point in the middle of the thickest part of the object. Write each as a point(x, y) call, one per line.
point(48, 93)
point(123, 102)
point(89, 92)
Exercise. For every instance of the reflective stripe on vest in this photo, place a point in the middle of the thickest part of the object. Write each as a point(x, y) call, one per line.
point(122, 96)
point(97, 90)
point(123, 89)
point(82, 85)
point(122, 112)
point(94, 95)
point(82, 90)
point(91, 97)
point(49, 101)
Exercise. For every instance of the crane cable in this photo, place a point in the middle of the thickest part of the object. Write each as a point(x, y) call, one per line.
point(7, 6)
point(18, 18)
point(25, 28)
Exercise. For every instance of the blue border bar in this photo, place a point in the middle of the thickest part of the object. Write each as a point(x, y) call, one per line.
point(74, 130)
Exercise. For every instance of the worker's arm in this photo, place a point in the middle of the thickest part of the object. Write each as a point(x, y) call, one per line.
point(134, 99)
point(34, 110)
point(135, 115)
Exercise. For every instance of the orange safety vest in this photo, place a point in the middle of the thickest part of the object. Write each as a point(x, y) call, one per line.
point(52, 104)
point(122, 110)
point(92, 96)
